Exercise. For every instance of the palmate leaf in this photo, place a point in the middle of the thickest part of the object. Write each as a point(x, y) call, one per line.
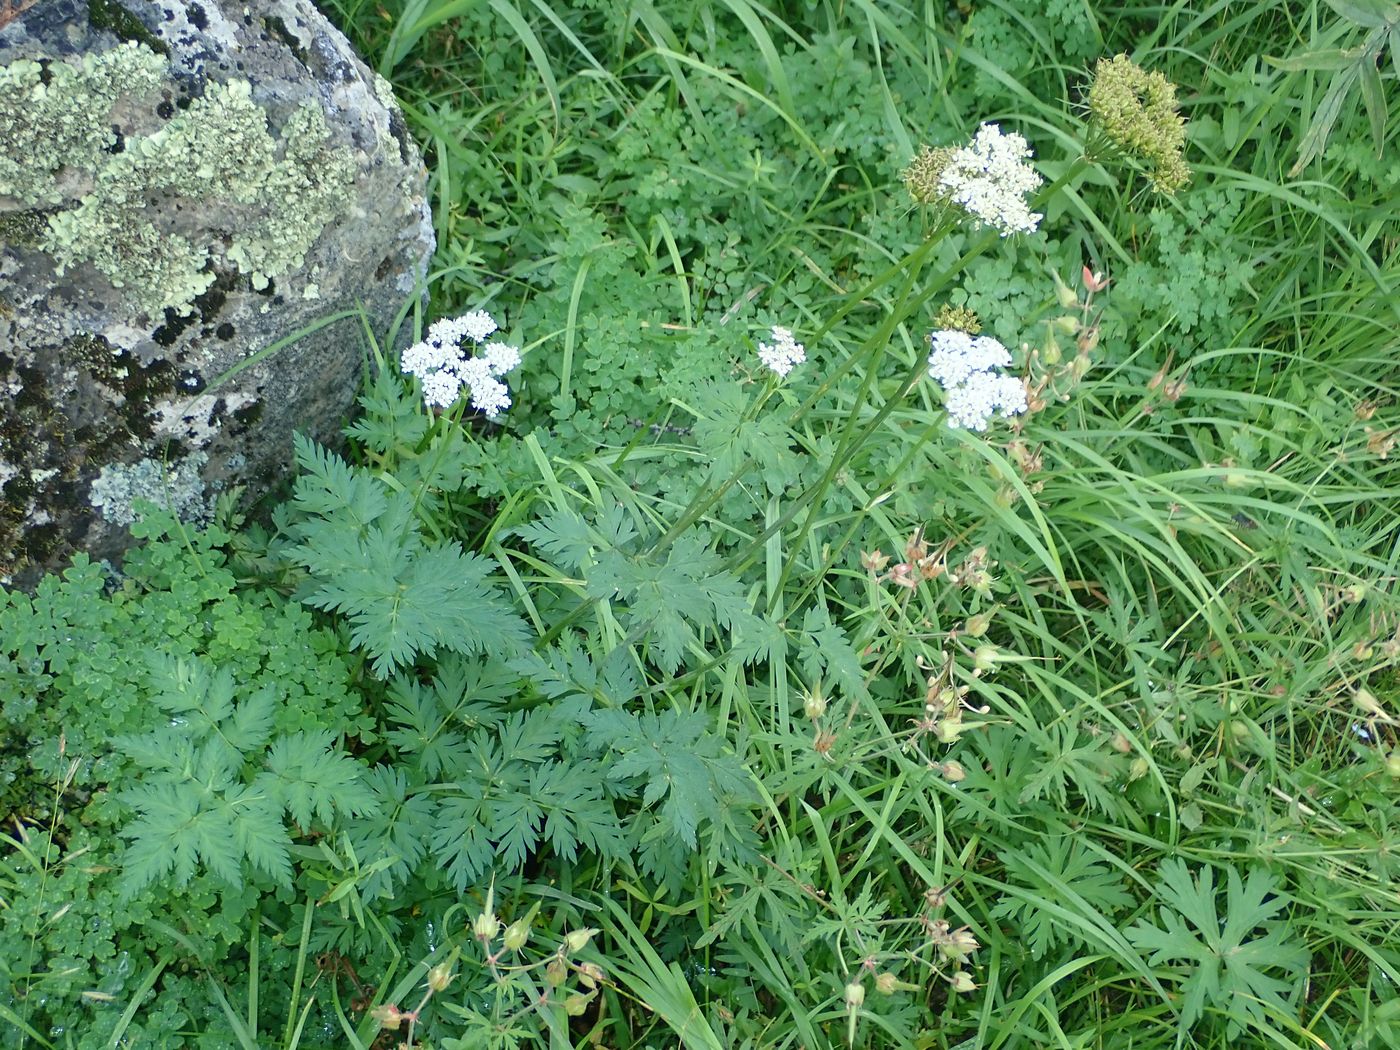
point(400, 829)
point(573, 542)
point(200, 813)
point(261, 837)
point(731, 440)
point(669, 603)
point(244, 728)
point(331, 487)
point(391, 419)
point(461, 844)
point(827, 654)
point(1059, 869)
point(771, 897)
point(1222, 959)
point(515, 787)
point(670, 756)
point(195, 808)
point(1065, 761)
point(588, 821)
point(564, 536)
point(188, 688)
point(423, 729)
point(250, 725)
point(569, 670)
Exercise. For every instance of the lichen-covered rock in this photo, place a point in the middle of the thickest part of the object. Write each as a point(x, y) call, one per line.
point(182, 186)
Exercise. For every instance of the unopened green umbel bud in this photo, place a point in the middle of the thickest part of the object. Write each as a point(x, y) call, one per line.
point(1137, 110)
point(855, 995)
point(957, 318)
point(922, 176)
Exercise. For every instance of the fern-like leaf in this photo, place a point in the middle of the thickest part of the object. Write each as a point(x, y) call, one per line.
point(313, 781)
point(402, 596)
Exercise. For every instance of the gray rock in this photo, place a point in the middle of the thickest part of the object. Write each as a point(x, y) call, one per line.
point(182, 186)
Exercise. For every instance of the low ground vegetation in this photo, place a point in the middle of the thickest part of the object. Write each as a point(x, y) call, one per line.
point(884, 535)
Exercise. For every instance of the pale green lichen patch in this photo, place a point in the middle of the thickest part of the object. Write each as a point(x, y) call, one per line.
point(310, 183)
point(177, 487)
point(272, 197)
point(158, 269)
point(384, 91)
point(58, 115)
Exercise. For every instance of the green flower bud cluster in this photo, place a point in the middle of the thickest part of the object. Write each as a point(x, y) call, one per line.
point(924, 172)
point(1137, 110)
point(958, 318)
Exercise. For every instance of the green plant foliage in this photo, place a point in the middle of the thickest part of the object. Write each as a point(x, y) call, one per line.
point(1056, 886)
point(691, 702)
point(359, 542)
point(169, 708)
point(533, 791)
point(1223, 956)
point(671, 756)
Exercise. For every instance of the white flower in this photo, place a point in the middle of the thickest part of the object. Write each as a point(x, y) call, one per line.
point(444, 367)
point(501, 358)
point(491, 398)
point(990, 178)
point(966, 367)
point(422, 359)
point(956, 355)
point(441, 389)
point(783, 354)
point(488, 394)
point(972, 404)
point(475, 326)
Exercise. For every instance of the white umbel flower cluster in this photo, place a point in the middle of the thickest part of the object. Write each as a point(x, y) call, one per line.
point(783, 354)
point(444, 367)
point(990, 178)
point(966, 366)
